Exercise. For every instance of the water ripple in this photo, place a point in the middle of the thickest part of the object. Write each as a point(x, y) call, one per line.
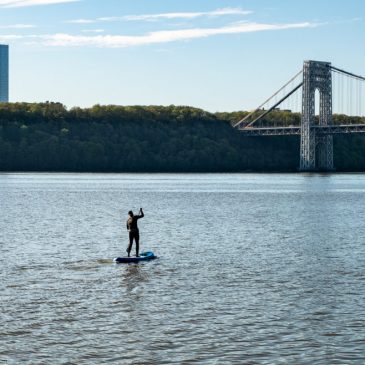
point(252, 269)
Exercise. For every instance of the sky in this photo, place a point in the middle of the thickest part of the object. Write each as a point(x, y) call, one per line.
point(225, 55)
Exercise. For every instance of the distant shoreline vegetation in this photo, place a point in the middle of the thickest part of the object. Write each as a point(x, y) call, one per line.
point(39, 137)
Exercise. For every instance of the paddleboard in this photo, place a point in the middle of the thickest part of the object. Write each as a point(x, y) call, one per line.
point(144, 256)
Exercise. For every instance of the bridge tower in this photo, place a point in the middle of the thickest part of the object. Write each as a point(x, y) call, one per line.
point(316, 151)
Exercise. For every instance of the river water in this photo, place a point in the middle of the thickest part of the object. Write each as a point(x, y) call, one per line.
point(252, 269)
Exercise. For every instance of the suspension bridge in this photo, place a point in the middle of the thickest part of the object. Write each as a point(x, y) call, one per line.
point(316, 93)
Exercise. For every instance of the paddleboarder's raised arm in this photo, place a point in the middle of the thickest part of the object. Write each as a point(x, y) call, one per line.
point(141, 214)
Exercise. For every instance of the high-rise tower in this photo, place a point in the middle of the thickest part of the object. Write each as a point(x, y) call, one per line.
point(4, 73)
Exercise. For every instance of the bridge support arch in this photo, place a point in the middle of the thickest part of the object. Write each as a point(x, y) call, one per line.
point(316, 151)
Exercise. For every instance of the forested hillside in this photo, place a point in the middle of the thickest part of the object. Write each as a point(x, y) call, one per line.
point(48, 137)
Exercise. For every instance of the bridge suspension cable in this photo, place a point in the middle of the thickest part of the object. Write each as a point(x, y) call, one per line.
point(267, 101)
point(275, 105)
point(348, 96)
point(348, 73)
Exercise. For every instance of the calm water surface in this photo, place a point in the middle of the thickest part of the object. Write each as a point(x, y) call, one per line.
point(252, 269)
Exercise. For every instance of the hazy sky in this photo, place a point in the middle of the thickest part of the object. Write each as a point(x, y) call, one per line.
point(217, 55)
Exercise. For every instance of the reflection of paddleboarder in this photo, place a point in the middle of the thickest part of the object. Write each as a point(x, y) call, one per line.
point(133, 230)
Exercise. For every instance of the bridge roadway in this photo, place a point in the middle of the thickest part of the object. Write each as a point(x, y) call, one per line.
point(295, 130)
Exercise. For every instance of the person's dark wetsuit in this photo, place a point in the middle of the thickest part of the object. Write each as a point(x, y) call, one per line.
point(132, 228)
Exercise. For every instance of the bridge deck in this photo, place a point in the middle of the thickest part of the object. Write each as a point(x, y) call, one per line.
point(295, 130)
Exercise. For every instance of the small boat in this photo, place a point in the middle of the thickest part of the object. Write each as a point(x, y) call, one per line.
point(144, 256)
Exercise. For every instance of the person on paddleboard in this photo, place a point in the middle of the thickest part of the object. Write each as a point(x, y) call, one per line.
point(132, 228)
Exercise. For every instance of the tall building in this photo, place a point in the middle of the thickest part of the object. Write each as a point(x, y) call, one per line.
point(4, 73)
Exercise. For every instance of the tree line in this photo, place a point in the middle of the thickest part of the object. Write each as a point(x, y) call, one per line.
point(49, 137)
